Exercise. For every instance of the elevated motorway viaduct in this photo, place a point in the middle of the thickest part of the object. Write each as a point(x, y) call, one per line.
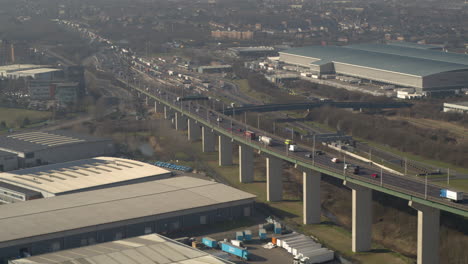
point(202, 123)
point(304, 106)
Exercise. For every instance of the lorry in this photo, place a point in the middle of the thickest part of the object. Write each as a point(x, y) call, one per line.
point(265, 140)
point(292, 148)
point(451, 195)
point(353, 168)
point(250, 134)
point(237, 251)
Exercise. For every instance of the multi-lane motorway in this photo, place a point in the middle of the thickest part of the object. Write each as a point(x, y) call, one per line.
point(235, 129)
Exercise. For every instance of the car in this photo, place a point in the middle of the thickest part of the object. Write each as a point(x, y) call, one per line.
point(219, 119)
point(319, 152)
point(308, 155)
point(335, 160)
point(374, 175)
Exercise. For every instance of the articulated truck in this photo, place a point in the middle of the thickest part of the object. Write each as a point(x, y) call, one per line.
point(265, 140)
point(451, 195)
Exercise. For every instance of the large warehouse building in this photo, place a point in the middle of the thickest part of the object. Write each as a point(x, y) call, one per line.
point(155, 249)
point(85, 218)
point(424, 69)
point(75, 176)
point(39, 148)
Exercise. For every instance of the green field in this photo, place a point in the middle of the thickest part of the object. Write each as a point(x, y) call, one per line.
point(14, 117)
point(459, 185)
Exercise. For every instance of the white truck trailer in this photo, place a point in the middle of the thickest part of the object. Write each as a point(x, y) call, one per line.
point(265, 140)
point(451, 195)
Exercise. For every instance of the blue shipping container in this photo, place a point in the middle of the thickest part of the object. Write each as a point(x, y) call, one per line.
point(247, 235)
point(277, 228)
point(209, 242)
point(240, 236)
point(262, 234)
point(230, 248)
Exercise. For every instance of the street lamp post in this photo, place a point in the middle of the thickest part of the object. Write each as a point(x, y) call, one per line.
point(381, 176)
point(258, 120)
point(313, 152)
point(448, 176)
point(425, 188)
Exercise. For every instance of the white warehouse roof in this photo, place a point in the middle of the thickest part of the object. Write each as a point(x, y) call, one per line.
point(146, 249)
point(87, 211)
point(72, 176)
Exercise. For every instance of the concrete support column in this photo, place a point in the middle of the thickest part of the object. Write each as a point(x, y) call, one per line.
point(224, 151)
point(208, 140)
point(194, 130)
point(180, 121)
point(311, 196)
point(147, 100)
point(166, 112)
point(362, 217)
point(274, 179)
point(246, 164)
point(428, 233)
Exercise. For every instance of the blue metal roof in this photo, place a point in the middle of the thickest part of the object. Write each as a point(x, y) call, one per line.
point(414, 52)
point(379, 60)
point(413, 45)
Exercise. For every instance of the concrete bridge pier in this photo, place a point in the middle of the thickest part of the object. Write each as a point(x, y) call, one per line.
point(246, 164)
point(362, 217)
point(428, 233)
point(224, 150)
point(274, 171)
point(194, 130)
point(180, 121)
point(208, 140)
point(311, 196)
point(166, 112)
point(147, 100)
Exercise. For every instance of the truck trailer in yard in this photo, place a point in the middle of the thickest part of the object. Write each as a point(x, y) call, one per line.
point(238, 251)
point(319, 256)
point(451, 195)
point(209, 242)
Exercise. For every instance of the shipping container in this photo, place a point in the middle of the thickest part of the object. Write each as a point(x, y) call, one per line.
point(280, 239)
point(319, 257)
point(247, 235)
point(237, 251)
point(237, 243)
point(278, 229)
point(304, 249)
point(262, 234)
point(240, 236)
point(314, 252)
point(209, 242)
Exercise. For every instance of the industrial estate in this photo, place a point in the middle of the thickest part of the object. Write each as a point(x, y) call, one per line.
point(233, 132)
